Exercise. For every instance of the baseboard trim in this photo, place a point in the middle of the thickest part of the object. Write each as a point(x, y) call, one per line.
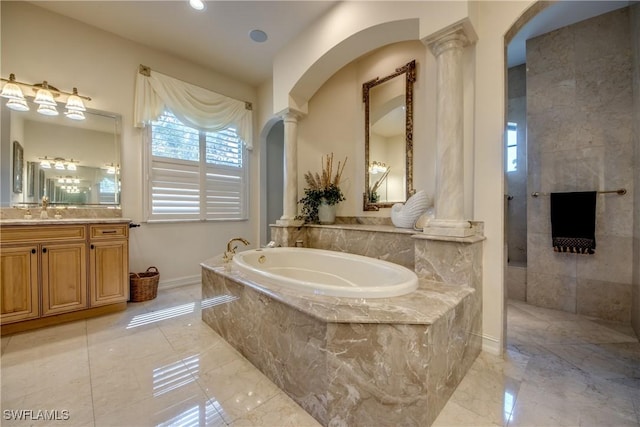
point(179, 282)
point(491, 345)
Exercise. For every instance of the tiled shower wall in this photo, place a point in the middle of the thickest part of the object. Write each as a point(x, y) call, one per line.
point(580, 138)
point(635, 37)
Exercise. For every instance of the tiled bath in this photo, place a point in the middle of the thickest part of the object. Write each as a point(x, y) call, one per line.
point(351, 362)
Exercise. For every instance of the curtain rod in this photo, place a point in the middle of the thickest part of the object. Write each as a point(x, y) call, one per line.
point(146, 71)
point(619, 192)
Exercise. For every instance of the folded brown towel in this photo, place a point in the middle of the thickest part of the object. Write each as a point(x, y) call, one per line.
point(573, 222)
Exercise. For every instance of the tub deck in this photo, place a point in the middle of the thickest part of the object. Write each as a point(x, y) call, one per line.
point(351, 361)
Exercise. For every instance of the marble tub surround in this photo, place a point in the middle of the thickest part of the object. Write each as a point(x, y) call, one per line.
point(375, 239)
point(384, 242)
point(66, 212)
point(456, 261)
point(287, 236)
point(351, 362)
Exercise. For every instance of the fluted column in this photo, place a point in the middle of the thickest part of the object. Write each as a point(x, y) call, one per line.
point(290, 191)
point(449, 198)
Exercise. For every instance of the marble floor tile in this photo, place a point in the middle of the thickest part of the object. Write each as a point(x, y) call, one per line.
point(158, 364)
point(238, 387)
point(279, 411)
point(4, 341)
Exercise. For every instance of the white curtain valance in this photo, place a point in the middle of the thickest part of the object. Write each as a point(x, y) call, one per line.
point(194, 106)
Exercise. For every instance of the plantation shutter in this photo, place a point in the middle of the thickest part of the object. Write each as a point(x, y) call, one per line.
point(196, 175)
point(225, 176)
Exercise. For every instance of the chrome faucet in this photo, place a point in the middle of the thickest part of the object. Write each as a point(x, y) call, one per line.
point(231, 251)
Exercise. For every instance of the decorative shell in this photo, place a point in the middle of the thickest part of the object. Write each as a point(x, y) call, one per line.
point(405, 215)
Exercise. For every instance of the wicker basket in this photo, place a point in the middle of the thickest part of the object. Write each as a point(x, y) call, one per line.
point(144, 286)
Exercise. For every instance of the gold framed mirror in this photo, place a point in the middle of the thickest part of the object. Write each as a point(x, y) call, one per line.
point(388, 138)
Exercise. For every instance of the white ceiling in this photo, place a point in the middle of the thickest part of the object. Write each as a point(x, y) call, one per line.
point(218, 37)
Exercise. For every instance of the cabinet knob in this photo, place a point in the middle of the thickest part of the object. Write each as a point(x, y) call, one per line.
point(33, 251)
point(92, 246)
point(44, 250)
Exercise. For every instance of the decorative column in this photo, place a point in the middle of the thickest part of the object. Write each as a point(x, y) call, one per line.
point(449, 219)
point(290, 191)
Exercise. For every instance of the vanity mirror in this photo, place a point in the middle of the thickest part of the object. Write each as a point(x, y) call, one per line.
point(388, 141)
point(72, 162)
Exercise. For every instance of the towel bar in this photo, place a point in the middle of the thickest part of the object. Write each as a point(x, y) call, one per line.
point(619, 192)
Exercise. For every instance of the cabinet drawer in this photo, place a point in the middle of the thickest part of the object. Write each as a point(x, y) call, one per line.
point(108, 231)
point(39, 233)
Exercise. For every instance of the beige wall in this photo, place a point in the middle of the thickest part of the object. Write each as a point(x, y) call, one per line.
point(67, 54)
point(580, 138)
point(492, 20)
point(335, 122)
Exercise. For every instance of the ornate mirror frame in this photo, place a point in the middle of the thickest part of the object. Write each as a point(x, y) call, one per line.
point(410, 77)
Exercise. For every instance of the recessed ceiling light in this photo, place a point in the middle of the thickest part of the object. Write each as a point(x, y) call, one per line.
point(258, 36)
point(197, 4)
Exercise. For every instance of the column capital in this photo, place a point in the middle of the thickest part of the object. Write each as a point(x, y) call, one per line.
point(291, 115)
point(455, 36)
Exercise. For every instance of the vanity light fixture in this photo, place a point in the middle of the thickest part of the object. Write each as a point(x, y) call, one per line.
point(45, 95)
point(75, 106)
point(45, 163)
point(58, 163)
point(47, 110)
point(18, 104)
point(68, 180)
point(11, 90)
point(377, 167)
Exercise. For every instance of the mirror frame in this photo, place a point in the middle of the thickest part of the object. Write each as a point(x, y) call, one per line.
point(409, 70)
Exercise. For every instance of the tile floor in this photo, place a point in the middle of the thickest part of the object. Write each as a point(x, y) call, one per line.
point(157, 364)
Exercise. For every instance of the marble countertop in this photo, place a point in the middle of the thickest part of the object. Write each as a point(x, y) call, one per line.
point(62, 221)
point(425, 305)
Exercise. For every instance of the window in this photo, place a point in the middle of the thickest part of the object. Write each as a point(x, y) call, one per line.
point(512, 147)
point(195, 175)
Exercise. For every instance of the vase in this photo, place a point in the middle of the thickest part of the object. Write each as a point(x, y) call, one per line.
point(326, 212)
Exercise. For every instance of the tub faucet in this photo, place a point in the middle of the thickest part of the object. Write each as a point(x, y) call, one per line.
point(231, 251)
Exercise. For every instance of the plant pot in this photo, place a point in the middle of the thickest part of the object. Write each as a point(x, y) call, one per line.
point(326, 212)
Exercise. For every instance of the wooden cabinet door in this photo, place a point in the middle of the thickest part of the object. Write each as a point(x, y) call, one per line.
point(19, 298)
point(64, 277)
point(109, 272)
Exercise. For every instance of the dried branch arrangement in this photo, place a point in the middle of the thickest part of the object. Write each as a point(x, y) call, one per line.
point(324, 181)
point(322, 188)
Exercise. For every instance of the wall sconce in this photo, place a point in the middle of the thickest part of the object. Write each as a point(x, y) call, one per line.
point(58, 163)
point(45, 98)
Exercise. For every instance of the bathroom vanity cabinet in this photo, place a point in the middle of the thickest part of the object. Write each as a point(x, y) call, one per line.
point(52, 273)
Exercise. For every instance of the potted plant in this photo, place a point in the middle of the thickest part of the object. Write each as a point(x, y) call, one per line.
point(322, 193)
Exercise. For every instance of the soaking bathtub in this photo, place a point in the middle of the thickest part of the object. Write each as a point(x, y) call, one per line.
point(323, 272)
